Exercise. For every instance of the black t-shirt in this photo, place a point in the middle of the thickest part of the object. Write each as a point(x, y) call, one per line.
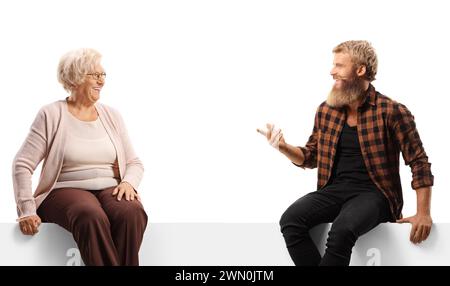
point(349, 164)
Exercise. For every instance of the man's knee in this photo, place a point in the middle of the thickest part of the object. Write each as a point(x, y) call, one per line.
point(300, 212)
point(285, 219)
point(292, 218)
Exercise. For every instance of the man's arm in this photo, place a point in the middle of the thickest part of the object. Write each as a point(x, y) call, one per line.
point(304, 157)
point(293, 153)
point(421, 222)
point(422, 179)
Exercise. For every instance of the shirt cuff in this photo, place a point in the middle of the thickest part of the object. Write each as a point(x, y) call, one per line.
point(26, 208)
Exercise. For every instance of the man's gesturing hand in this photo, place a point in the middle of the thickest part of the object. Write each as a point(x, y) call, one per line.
point(273, 134)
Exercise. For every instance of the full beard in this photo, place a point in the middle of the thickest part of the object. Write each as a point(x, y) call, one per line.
point(351, 91)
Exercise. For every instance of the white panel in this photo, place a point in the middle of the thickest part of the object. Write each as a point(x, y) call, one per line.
point(253, 244)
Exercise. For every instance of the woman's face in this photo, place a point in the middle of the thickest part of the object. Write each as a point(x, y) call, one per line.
point(93, 82)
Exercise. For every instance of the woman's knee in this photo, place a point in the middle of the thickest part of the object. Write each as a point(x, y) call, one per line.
point(82, 214)
point(131, 212)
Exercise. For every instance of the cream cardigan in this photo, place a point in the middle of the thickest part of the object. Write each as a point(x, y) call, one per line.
point(46, 141)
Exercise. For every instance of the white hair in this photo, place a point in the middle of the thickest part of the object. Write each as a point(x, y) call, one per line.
point(74, 65)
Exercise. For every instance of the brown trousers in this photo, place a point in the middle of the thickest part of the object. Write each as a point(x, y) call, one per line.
point(107, 231)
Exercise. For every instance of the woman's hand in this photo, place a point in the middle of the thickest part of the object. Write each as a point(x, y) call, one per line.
point(124, 188)
point(30, 225)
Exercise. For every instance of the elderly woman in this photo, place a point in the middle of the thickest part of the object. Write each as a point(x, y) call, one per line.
point(90, 175)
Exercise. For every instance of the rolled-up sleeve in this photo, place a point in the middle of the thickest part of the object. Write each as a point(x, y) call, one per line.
point(310, 149)
point(411, 147)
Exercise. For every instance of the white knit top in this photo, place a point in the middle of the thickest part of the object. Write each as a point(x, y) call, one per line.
point(90, 159)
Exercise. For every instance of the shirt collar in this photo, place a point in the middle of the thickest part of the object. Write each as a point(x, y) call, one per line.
point(370, 96)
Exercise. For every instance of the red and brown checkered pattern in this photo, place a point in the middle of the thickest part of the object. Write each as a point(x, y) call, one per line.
point(385, 127)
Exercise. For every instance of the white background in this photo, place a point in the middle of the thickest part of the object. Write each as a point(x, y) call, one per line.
point(194, 79)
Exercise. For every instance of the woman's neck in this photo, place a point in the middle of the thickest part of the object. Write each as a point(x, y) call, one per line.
point(81, 109)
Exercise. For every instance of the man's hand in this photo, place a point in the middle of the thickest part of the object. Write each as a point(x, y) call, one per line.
point(124, 188)
point(274, 135)
point(421, 227)
point(30, 225)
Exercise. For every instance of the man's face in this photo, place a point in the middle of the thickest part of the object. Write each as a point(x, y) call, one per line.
point(343, 71)
point(349, 85)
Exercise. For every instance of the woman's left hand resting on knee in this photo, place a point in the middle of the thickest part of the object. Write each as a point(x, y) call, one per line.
point(124, 188)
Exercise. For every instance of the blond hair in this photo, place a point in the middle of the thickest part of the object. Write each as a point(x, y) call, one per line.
point(362, 53)
point(74, 65)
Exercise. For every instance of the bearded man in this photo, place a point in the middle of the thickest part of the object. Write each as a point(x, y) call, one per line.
point(357, 137)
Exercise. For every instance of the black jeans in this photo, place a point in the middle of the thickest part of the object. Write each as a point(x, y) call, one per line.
point(353, 209)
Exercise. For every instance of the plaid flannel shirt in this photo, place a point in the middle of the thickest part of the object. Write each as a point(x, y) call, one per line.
point(385, 127)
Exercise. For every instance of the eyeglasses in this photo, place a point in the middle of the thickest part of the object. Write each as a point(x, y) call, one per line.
point(97, 76)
